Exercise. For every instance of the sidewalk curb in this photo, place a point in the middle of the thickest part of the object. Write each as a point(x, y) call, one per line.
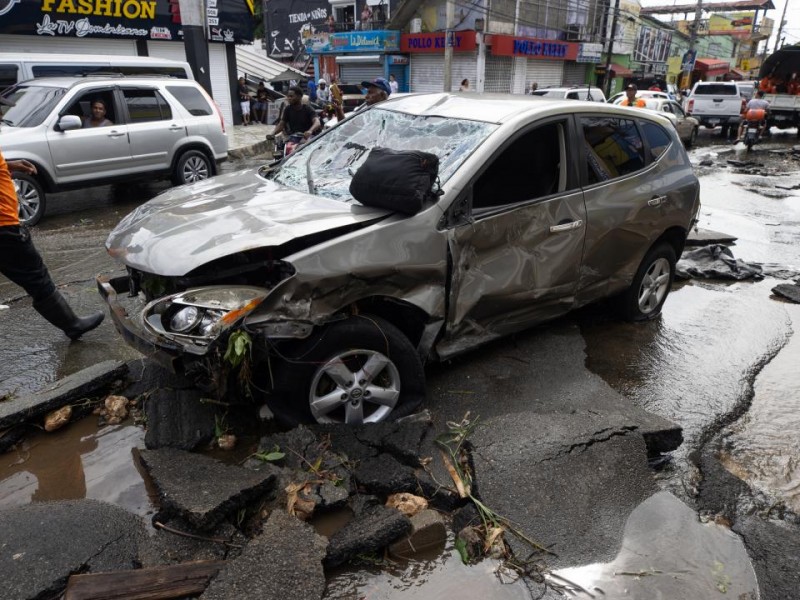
point(248, 151)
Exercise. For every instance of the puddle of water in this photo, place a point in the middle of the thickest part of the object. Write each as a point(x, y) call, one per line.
point(78, 461)
point(763, 448)
point(667, 554)
point(442, 576)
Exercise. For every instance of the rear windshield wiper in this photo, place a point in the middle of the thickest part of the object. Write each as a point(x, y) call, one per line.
point(7, 122)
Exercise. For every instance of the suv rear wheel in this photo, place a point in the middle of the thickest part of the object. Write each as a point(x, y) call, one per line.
point(192, 166)
point(650, 287)
point(31, 198)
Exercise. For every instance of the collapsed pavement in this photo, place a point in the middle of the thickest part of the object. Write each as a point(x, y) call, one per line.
point(556, 489)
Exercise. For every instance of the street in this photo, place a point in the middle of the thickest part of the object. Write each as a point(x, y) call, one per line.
point(720, 362)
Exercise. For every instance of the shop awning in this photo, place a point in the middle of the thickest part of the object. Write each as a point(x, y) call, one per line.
point(255, 65)
point(711, 66)
point(738, 74)
point(620, 71)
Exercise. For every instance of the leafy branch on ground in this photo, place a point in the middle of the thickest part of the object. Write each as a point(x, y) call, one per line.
point(454, 444)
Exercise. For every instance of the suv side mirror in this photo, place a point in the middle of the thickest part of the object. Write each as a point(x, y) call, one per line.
point(68, 123)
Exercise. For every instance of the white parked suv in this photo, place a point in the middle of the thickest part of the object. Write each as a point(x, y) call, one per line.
point(716, 103)
point(576, 92)
point(154, 126)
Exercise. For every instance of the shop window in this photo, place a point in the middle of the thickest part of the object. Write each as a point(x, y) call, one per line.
point(613, 147)
point(533, 166)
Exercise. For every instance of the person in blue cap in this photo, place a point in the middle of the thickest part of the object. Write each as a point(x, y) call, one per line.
point(378, 90)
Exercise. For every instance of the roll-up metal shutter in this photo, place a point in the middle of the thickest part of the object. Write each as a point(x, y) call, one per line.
point(574, 73)
point(356, 73)
point(498, 74)
point(520, 83)
point(169, 50)
point(427, 71)
point(66, 45)
point(220, 80)
point(545, 72)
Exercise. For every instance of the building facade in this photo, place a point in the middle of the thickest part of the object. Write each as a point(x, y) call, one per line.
point(130, 28)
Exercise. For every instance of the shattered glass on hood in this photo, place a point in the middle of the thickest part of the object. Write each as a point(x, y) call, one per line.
point(336, 156)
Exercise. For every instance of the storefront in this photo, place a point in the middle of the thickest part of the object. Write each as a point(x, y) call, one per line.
point(129, 28)
point(356, 56)
point(426, 59)
point(531, 60)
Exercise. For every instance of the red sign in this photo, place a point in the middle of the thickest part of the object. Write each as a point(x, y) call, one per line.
point(463, 41)
point(507, 45)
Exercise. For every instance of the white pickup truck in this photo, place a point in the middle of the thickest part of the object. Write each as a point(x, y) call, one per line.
point(716, 103)
point(784, 109)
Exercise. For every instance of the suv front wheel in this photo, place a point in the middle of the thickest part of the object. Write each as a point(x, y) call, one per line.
point(192, 166)
point(31, 198)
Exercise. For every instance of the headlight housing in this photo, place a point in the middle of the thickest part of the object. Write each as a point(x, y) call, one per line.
point(198, 316)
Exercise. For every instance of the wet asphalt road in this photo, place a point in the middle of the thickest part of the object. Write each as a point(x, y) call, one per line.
point(720, 361)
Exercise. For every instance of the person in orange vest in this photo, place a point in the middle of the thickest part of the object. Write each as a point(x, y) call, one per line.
point(21, 263)
point(765, 85)
point(631, 99)
point(793, 85)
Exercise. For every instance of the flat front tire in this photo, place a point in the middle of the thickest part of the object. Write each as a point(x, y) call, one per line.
point(359, 370)
point(651, 284)
point(192, 166)
point(31, 198)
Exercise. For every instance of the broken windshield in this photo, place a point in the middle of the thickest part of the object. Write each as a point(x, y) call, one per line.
point(335, 157)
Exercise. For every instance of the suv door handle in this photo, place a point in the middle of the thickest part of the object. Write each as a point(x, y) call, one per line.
point(566, 226)
point(174, 127)
point(115, 134)
point(656, 200)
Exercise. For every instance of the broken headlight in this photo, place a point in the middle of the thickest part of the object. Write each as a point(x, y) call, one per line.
point(200, 315)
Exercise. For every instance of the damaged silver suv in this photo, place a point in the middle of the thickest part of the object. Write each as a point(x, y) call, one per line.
point(335, 305)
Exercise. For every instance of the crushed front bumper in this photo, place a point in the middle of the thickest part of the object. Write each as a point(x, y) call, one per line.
point(163, 351)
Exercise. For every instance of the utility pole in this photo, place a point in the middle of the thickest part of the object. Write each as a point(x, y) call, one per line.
point(778, 43)
point(611, 48)
point(689, 64)
point(448, 47)
point(195, 41)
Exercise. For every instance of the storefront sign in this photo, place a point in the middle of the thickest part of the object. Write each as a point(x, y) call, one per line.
point(462, 41)
point(141, 19)
point(354, 41)
point(396, 59)
point(506, 45)
point(589, 53)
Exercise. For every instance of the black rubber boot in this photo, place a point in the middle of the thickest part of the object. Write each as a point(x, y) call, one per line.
point(55, 309)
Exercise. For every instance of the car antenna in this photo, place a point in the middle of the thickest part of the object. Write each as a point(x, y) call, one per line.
point(589, 92)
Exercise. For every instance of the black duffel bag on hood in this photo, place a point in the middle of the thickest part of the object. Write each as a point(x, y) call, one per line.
point(397, 180)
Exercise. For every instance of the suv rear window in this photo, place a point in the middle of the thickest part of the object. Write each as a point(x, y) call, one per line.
point(613, 147)
point(191, 99)
point(146, 105)
point(716, 89)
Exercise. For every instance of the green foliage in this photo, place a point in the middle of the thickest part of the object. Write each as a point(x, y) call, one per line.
point(240, 345)
point(220, 427)
point(461, 548)
point(274, 455)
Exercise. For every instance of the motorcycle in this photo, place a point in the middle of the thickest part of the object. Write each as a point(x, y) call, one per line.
point(285, 145)
point(752, 129)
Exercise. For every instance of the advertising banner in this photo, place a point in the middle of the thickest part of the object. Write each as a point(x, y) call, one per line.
point(229, 20)
point(739, 23)
point(354, 41)
point(507, 45)
point(292, 24)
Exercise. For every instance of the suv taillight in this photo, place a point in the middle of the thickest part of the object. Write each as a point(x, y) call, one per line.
point(690, 106)
point(219, 114)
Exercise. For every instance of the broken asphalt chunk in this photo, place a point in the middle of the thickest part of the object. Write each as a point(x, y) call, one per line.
point(203, 491)
point(789, 291)
point(284, 562)
point(177, 418)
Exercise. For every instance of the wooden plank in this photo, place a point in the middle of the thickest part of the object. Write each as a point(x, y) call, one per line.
point(154, 583)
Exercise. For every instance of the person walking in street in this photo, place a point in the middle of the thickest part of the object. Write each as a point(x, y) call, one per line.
point(22, 264)
point(261, 104)
point(393, 83)
point(244, 101)
point(336, 91)
point(464, 85)
point(323, 93)
point(631, 99)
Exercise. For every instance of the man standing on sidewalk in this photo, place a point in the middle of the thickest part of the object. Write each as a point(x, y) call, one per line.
point(21, 263)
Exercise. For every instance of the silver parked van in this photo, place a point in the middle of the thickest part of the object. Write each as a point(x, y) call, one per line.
point(19, 66)
point(149, 127)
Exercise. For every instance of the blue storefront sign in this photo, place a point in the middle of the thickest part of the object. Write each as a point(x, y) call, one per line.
point(354, 41)
point(687, 62)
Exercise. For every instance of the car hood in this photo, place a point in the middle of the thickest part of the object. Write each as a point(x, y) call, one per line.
point(189, 226)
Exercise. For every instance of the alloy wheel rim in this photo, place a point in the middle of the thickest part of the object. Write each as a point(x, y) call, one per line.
point(195, 169)
point(654, 286)
point(29, 200)
point(355, 387)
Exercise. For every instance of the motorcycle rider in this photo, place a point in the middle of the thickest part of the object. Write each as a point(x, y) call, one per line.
point(756, 103)
point(297, 118)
